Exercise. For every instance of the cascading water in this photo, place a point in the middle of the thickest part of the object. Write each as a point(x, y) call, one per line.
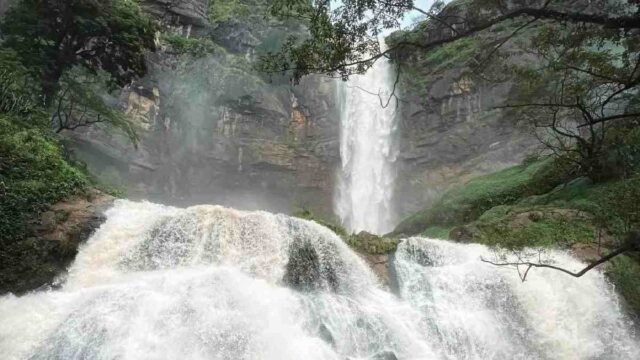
point(473, 310)
point(208, 282)
point(365, 182)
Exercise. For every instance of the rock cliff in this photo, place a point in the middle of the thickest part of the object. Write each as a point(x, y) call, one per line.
point(450, 129)
point(212, 129)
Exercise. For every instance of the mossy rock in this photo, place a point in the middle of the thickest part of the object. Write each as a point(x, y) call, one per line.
point(371, 244)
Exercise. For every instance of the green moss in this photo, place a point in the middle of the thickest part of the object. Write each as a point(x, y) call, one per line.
point(363, 242)
point(371, 244)
point(437, 232)
point(223, 11)
point(468, 202)
point(452, 54)
point(333, 225)
point(547, 232)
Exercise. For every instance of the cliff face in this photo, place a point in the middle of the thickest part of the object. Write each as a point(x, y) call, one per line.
point(450, 129)
point(213, 130)
point(454, 138)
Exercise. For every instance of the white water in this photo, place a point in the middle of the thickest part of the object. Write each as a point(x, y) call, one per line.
point(366, 179)
point(207, 283)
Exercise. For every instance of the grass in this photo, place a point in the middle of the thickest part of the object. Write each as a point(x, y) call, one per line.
point(468, 202)
point(545, 232)
point(436, 232)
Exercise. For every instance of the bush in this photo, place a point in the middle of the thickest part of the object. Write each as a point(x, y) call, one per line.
point(33, 175)
point(196, 47)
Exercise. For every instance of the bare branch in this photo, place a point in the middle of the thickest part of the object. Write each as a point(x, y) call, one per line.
point(627, 248)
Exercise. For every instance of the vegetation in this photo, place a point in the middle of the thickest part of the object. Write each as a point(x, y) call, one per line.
point(221, 11)
point(33, 174)
point(468, 202)
point(196, 47)
point(51, 37)
point(363, 242)
point(60, 63)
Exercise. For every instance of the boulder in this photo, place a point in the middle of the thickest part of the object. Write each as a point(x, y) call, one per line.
point(37, 261)
point(305, 272)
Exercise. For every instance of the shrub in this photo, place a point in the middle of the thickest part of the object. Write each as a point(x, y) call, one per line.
point(33, 175)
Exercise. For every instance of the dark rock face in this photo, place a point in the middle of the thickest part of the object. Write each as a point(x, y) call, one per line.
point(4, 5)
point(453, 140)
point(37, 261)
point(304, 271)
point(449, 128)
point(192, 12)
point(213, 130)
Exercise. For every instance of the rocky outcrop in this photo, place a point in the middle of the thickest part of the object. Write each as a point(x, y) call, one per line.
point(378, 252)
point(186, 12)
point(305, 271)
point(213, 130)
point(450, 129)
point(56, 236)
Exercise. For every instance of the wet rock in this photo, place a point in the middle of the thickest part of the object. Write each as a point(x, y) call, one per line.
point(385, 355)
point(56, 235)
point(304, 271)
point(462, 234)
point(325, 334)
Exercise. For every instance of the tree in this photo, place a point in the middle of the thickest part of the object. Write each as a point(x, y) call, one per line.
point(345, 40)
point(83, 101)
point(52, 36)
point(574, 82)
point(533, 259)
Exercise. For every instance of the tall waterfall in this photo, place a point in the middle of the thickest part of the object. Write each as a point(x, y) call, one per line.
point(207, 282)
point(365, 182)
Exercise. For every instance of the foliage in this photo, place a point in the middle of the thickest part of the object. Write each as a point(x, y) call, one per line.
point(436, 232)
point(196, 47)
point(577, 75)
point(33, 174)
point(221, 11)
point(17, 89)
point(332, 225)
point(84, 100)
point(50, 37)
point(363, 242)
point(452, 54)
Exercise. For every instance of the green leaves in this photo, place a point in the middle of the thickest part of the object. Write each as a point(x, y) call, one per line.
point(50, 37)
point(33, 175)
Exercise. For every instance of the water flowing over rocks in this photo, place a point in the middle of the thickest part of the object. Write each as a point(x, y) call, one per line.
point(212, 282)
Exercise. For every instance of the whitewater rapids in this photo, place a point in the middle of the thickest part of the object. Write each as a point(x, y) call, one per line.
point(207, 282)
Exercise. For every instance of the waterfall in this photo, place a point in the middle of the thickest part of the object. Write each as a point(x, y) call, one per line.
point(473, 310)
point(366, 178)
point(208, 282)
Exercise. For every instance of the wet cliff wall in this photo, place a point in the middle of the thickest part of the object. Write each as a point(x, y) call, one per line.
point(214, 130)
